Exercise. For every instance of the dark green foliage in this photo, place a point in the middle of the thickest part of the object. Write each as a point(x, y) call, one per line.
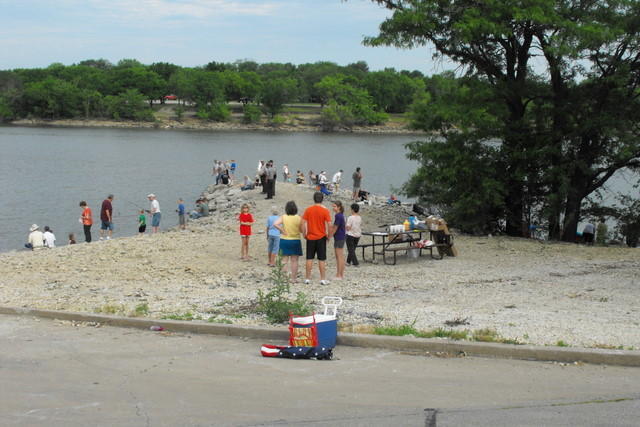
point(6, 112)
point(561, 127)
point(251, 114)
point(217, 112)
point(130, 105)
point(629, 220)
point(391, 91)
point(52, 98)
point(270, 85)
point(348, 105)
point(276, 92)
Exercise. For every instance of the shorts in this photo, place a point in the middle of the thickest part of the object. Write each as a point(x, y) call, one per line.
point(338, 244)
point(155, 220)
point(274, 244)
point(106, 225)
point(290, 247)
point(317, 247)
point(182, 220)
point(356, 190)
point(142, 228)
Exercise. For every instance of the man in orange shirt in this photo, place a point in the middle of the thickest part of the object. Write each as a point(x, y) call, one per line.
point(316, 222)
point(87, 221)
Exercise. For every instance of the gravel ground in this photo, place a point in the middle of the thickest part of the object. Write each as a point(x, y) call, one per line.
point(535, 292)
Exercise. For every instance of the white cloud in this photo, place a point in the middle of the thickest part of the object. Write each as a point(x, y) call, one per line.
point(202, 9)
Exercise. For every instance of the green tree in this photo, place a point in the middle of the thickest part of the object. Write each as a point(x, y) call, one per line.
point(6, 112)
point(564, 125)
point(392, 92)
point(338, 90)
point(129, 105)
point(52, 98)
point(251, 114)
point(276, 92)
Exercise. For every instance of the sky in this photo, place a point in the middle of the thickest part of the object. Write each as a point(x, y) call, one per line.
point(37, 33)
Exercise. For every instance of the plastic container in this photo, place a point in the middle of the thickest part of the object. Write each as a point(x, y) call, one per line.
point(326, 331)
point(407, 225)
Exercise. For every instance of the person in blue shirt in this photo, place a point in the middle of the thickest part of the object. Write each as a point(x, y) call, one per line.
point(273, 237)
point(182, 218)
point(232, 170)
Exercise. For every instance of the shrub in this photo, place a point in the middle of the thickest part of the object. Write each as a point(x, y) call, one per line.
point(252, 114)
point(217, 112)
point(276, 304)
point(179, 112)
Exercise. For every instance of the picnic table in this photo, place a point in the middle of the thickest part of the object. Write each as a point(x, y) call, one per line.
point(384, 244)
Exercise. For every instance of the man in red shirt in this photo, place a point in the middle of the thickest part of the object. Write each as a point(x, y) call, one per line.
point(106, 216)
point(316, 222)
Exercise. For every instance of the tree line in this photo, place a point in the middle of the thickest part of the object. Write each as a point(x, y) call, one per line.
point(349, 94)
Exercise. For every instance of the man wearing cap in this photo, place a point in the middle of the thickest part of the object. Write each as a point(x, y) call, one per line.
point(36, 238)
point(155, 213)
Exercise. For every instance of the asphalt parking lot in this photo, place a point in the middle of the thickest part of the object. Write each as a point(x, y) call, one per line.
point(56, 373)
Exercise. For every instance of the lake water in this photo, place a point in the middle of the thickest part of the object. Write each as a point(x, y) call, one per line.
point(45, 172)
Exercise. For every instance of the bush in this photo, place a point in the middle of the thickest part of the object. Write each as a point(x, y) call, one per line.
point(179, 112)
point(335, 116)
point(276, 304)
point(277, 121)
point(252, 114)
point(217, 112)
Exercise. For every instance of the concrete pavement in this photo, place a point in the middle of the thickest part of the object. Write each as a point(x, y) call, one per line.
point(53, 373)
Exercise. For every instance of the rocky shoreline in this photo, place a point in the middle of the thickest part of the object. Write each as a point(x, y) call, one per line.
point(198, 125)
point(525, 290)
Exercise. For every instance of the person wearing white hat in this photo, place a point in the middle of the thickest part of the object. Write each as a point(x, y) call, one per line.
point(155, 213)
point(36, 238)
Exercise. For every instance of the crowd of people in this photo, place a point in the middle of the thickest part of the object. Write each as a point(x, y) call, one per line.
point(280, 228)
point(285, 232)
point(39, 240)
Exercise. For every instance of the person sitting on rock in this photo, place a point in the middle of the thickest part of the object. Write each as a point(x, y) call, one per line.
point(247, 184)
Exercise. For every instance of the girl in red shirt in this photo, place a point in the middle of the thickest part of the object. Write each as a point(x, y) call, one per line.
point(246, 221)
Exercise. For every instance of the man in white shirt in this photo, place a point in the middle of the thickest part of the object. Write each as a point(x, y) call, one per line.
point(49, 237)
point(155, 213)
point(336, 180)
point(36, 238)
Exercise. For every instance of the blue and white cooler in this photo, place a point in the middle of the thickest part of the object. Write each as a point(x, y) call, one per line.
point(317, 330)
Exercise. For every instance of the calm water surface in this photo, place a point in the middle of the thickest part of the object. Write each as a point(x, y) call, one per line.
point(45, 172)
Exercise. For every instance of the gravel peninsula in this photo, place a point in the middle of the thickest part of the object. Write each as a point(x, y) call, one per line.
point(526, 290)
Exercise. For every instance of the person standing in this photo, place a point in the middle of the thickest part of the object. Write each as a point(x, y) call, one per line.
point(338, 232)
point(270, 180)
point(49, 237)
point(262, 173)
point(246, 221)
point(87, 220)
point(106, 217)
point(273, 237)
point(290, 226)
point(286, 177)
point(142, 222)
point(357, 182)
point(156, 215)
point(232, 170)
point(316, 223)
point(588, 233)
point(354, 232)
point(336, 180)
point(182, 218)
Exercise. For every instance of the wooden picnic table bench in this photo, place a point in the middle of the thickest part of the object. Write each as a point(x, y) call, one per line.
point(392, 243)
